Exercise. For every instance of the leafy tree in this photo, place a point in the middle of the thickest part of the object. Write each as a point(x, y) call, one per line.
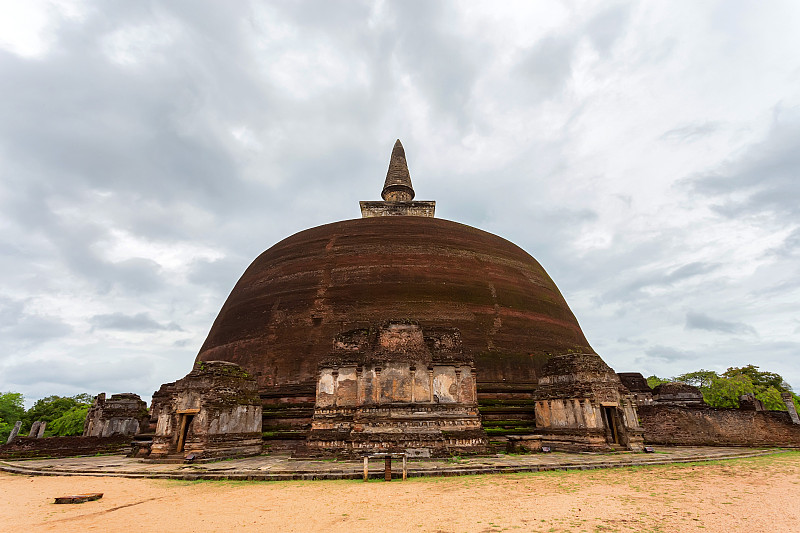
point(701, 379)
point(771, 398)
point(654, 381)
point(54, 407)
point(11, 410)
point(11, 406)
point(761, 380)
point(725, 392)
point(767, 386)
point(70, 423)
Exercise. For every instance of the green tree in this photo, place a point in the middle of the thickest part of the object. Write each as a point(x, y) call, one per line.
point(761, 380)
point(725, 392)
point(767, 386)
point(70, 423)
point(52, 408)
point(654, 381)
point(771, 398)
point(701, 378)
point(11, 409)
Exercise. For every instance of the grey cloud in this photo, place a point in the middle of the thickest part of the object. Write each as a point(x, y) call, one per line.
point(548, 65)
point(221, 274)
point(689, 270)
point(442, 63)
point(79, 375)
point(607, 26)
point(670, 354)
point(702, 321)
point(137, 322)
point(18, 326)
point(632, 341)
point(632, 289)
point(765, 174)
point(691, 132)
point(790, 245)
point(90, 147)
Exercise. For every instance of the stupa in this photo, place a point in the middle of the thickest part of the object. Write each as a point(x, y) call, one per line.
point(290, 318)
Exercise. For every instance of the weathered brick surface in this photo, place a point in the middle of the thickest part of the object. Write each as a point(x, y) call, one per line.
point(23, 448)
point(690, 426)
point(122, 414)
point(280, 318)
point(397, 387)
point(581, 404)
point(215, 411)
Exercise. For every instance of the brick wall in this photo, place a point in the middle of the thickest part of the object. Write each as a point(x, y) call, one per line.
point(24, 448)
point(673, 425)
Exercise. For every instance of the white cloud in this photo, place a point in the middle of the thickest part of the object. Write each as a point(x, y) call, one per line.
point(642, 152)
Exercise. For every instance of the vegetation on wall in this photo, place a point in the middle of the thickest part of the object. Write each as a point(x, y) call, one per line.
point(723, 390)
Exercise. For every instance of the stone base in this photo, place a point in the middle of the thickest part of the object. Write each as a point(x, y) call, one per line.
point(387, 209)
point(211, 447)
point(523, 443)
point(577, 441)
point(434, 430)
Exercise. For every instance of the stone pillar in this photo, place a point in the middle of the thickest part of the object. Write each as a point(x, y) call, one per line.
point(335, 375)
point(377, 385)
point(14, 431)
point(34, 429)
point(430, 382)
point(412, 370)
point(360, 385)
point(789, 401)
point(40, 434)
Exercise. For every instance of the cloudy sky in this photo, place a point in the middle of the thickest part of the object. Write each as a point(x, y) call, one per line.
point(646, 154)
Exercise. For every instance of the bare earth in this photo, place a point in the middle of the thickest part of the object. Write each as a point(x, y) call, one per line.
point(747, 495)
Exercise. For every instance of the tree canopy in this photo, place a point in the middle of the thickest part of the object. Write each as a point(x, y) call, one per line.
point(64, 414)
point(724, 390)
point(11, 409)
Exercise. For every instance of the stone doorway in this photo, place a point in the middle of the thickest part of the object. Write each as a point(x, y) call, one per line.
point(183, 431)
point(610, 414)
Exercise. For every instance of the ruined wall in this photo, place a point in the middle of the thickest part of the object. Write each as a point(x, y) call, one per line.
point(638, 387)
point(677, 393)
point(397, 387)
point(399, 382)
point(693, 426)
point(581, 405)
point(29, 448)
point(213, 412)
point(122, 414)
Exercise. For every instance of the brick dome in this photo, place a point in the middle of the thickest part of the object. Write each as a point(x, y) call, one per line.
point(283, 314)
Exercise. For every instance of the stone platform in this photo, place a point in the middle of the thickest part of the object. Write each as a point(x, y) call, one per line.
point(277, 468)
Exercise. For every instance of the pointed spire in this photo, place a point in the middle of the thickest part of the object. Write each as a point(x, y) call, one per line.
point(397, 187)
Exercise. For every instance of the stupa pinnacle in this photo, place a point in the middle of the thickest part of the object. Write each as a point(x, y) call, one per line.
point(398, 194)
point(397, 187)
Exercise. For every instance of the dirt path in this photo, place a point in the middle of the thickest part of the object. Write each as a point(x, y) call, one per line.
point(759, 494)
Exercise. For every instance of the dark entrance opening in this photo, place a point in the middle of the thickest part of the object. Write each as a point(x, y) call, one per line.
point(610, 414)
point(186, 421)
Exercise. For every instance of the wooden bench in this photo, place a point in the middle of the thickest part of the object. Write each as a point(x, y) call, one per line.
point(387, 469)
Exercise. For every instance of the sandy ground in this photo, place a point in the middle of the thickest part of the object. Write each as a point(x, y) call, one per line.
point(759, 494)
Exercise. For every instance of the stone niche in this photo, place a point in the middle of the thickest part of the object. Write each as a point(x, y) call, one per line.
point(397, 388)
point(581, 405)
point(122, 414)
point(214, 412)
